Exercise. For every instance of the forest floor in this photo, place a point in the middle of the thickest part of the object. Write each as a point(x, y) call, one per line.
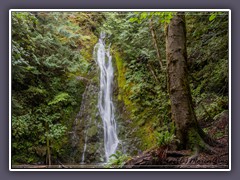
point(164, 157)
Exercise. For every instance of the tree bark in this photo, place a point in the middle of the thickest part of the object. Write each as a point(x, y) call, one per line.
point(188, 132)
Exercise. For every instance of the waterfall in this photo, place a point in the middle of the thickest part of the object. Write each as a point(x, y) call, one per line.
point(85, 147)
point(105, 104)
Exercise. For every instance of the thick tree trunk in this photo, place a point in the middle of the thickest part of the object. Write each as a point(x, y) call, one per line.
point(187, 129)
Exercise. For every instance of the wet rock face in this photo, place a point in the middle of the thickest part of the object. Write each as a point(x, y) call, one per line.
point(128, 142)
point(87, 138)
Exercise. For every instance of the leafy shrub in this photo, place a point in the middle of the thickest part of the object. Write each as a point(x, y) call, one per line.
point(164, 136)
point(117, 160)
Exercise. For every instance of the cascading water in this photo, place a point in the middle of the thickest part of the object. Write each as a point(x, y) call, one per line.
point(84, 148)
point(95, 119)
point(105, 104)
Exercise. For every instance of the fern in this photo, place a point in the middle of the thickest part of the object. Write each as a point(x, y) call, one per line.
point(117, 160)
point(59, 98)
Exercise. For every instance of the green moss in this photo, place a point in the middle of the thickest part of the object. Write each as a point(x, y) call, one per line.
point(124, 91)
point(92, 148)
point(92, 131)
point(121, 75)
point(89, 45)
point(147, 137)
point(140, 119)
point(141, 122)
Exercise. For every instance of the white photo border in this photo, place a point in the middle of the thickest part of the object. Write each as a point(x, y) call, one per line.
point(116, 10)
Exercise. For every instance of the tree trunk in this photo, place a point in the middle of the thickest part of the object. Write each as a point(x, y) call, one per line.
point(154, 37)
point(151, 70)
point(188, 131)
point(48, 152)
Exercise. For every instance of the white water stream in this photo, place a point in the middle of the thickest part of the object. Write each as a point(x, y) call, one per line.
point(105, 104)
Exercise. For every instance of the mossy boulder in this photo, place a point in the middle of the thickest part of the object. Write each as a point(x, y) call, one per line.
point(92, 131)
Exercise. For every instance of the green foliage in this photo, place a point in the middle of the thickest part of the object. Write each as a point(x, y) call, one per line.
point(56, 131)
point(46, 58)
point(165, 136)
point(49, 49)
point(117, 160)
point(20, 125)
point(62, 96)
point(144, 95)
point(208, 62)
point(36, 90)
point(213, 15)
point(163, 17)
point(213, 106)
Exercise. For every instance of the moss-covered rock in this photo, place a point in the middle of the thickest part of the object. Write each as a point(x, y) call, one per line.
point(135, 127)
point(92, 131)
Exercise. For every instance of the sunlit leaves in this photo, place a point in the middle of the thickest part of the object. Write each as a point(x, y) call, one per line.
point(56, 131)
point(212, 17)
point(59, 98)
point(164, 17)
